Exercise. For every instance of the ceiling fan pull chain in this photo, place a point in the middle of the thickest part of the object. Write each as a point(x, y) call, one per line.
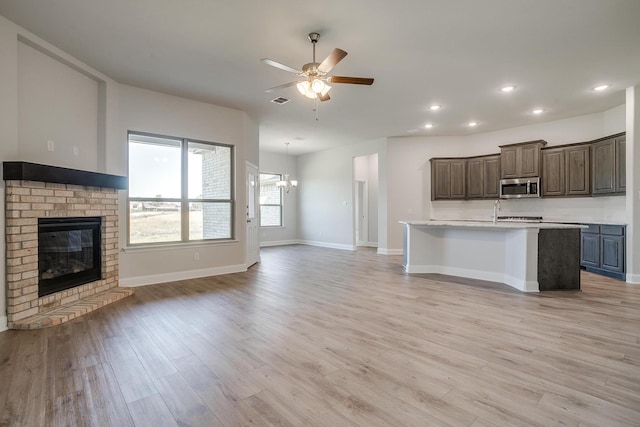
point(316, 106)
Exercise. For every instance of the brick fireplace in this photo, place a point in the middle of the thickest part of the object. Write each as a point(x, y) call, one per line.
point(37, 192)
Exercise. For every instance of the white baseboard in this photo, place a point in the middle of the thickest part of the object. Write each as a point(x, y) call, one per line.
point(385, 251)
point(181, 275)
point(475, 274)
point(327, 245)
point(368, 244)
point(634, 279)
point(3, 323)
point(278, 243)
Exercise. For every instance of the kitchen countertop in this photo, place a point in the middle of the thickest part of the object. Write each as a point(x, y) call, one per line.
point(589, 222)
point(491, 225)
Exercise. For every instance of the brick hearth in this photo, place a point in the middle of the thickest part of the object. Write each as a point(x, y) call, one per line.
point(26, 201)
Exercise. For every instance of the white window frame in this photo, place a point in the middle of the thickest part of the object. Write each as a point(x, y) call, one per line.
point(281, 205)
point(184, 200)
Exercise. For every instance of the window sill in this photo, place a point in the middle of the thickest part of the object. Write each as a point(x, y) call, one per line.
point(174, 246)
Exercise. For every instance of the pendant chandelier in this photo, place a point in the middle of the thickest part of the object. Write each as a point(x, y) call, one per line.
point(287, 183)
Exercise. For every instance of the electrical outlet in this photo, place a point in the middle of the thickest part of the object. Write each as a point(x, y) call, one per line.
point(50, 145)
point(196, 256)
point(75, 150)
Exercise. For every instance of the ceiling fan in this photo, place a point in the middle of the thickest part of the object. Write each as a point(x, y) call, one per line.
point(314, 77)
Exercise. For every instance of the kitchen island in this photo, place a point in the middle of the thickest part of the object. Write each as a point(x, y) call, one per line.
point(530, 257)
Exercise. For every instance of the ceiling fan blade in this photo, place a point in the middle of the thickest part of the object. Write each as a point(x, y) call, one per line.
point(281, 86)
point(351, 80)
point(324, 98)
point(330, 61)
point(279, 65)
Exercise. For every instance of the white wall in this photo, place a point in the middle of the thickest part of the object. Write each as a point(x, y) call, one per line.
point(148, 111)
point(326, 193)
point(288, 233)
point(410, 174)
point(55, 103)
point(633, 183)
point(614, 120)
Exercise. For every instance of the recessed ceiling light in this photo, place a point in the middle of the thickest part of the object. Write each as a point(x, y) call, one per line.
point(428, 125)
point(435, 107)
point(472, 124)
point(538, 111)
point(509, 88)
point(601, 87)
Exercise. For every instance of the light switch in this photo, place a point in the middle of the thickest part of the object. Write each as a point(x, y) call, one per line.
point(50, 145)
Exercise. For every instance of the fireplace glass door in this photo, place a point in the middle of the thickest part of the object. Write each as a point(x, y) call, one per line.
point(69, 253)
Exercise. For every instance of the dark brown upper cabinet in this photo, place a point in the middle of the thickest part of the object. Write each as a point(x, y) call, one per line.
point(578, 174)
point(475, 178)
point(572, 170)
point(621, 164)
point(521, 160)
point(553, 172)
point(448, 178)
point(492, 176)
point(566, 171)
point(483, 177)
point(608, 166)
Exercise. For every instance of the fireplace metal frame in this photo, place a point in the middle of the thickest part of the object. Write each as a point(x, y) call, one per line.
point(67, 281)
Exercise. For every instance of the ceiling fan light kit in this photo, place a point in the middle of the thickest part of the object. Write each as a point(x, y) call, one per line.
point(314, 79)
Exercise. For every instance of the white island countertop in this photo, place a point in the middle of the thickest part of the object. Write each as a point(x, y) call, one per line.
point(458, 223)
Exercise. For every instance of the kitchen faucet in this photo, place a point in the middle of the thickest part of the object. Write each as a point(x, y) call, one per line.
point(496, 208)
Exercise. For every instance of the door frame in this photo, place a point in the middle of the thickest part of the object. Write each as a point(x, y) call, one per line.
point(361, 212)
point(252, 255)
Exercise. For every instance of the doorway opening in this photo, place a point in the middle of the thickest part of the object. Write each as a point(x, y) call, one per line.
point(365, 201)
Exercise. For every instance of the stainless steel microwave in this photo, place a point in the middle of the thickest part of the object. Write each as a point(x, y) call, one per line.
point(519, 188)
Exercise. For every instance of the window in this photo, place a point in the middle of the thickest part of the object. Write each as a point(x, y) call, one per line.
point(179, 190)
point(270, 200)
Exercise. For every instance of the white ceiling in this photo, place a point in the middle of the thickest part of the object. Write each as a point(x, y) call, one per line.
point(457, 53)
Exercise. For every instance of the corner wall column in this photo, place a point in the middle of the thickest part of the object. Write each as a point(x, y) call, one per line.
point(633, 184)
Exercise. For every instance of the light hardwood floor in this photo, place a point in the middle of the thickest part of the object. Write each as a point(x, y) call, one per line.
point(322, 337)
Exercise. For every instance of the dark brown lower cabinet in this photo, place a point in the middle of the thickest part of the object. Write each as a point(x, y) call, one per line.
point(602, 250)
